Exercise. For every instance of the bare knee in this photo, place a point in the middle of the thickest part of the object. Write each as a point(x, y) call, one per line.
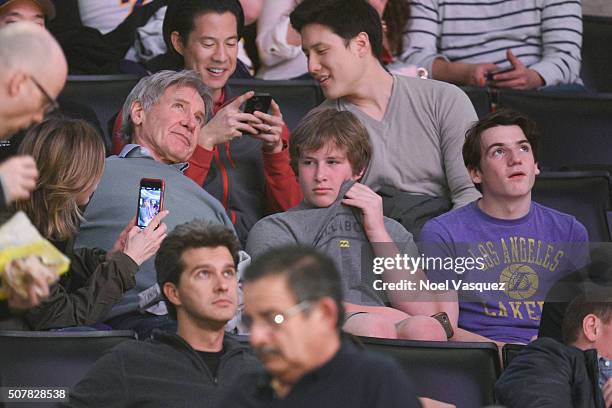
point(421, 328)
point(371, 325)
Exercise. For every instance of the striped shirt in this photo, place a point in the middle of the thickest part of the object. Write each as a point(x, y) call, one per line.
point(546, 35)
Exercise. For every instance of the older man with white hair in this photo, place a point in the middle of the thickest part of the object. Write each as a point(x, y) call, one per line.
point(162, 117)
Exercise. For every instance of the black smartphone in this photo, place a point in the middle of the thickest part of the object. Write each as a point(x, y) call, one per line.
point(259, 102)
point(501, 71)
point(150, 200)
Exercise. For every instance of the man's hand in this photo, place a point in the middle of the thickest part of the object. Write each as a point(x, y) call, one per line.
point(607, 393)
point(520, 77)
point(140, 245)
point(477, 74)
point(461, 73)
point(271, 129)
point(228, 123)
point(370, 204)
point(19, 177)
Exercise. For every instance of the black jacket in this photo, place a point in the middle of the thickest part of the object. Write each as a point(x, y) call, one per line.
point(162, 372)
point(548, 374)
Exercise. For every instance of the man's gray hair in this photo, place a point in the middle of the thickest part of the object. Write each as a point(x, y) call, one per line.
point(149, 89)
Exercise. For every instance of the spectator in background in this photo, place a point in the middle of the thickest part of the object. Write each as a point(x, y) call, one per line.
point(162, 117)
point(34, 11)
point(279, 44)
point(249, 174)
point(416, 127)
point(343, 218)
point(70, 157)
point(577, 373)
point(538, 40)
point(523, 246)
point(196, 267)
point(32, 73)
point(293, 307)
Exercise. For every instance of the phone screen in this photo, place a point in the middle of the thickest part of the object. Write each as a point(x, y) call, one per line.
point(149, 201)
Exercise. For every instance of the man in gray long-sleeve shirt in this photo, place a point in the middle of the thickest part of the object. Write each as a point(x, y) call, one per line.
point(163, 115)
point(416, 127)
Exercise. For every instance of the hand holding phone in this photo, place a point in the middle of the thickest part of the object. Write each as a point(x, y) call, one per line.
point(150, 201)
point(490, 74)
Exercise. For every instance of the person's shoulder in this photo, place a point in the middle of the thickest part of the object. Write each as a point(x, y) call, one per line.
point(274, 221)
point(460, 215)
point(428, 86)
point(565, 222)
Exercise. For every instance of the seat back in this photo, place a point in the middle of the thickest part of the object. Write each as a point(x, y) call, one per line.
point(295, 98)
point(52, 359)
point(105, 94)
point(463, 374)
point(596, 53)
point(583, 194)
point(575, 129)
point(480, 99)
point(509, 351)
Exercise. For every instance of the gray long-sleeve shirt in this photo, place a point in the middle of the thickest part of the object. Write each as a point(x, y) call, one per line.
point(417, 145)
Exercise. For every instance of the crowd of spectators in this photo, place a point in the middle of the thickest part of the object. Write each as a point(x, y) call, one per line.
point(322, 258)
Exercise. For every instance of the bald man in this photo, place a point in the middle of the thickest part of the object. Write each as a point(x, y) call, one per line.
point(34, 11)
point(33, 71)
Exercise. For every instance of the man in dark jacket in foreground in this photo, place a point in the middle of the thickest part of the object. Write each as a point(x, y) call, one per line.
point(196, 267)
point(577, 374)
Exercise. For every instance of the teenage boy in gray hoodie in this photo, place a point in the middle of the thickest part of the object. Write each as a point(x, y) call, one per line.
point(330, 151)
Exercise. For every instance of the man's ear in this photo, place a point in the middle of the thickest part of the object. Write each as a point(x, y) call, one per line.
point(177, 44)
point(358, 176)
point(475, 175)
point(171, 292)
point(17, 82)
point(537, 170)
point(137, 112)
point(328, 311)
point(590, 327)
point(362, 44)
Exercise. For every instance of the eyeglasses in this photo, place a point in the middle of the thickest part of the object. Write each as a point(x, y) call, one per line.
point(277, 319)
point(51, 103)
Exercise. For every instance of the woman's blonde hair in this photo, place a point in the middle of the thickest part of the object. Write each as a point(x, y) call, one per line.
point(69, 155)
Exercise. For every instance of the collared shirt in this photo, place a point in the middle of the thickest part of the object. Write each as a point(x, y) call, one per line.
point(132, 150)
point(605, 370)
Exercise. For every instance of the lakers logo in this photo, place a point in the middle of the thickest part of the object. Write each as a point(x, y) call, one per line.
point(520, 280)
point(344, 243)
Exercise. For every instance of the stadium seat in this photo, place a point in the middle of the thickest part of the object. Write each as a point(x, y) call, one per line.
point(463, 374)
point(596, 53)
point(105, 94)
point(480, 99)
point(584, 194)
point(295, 98)
point(509, 351)
point(575, 128)
point(52, 359)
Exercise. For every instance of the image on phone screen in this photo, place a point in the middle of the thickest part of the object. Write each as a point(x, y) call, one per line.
point(149, 204)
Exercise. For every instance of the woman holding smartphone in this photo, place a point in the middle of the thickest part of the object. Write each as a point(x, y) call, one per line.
point(69, 155)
